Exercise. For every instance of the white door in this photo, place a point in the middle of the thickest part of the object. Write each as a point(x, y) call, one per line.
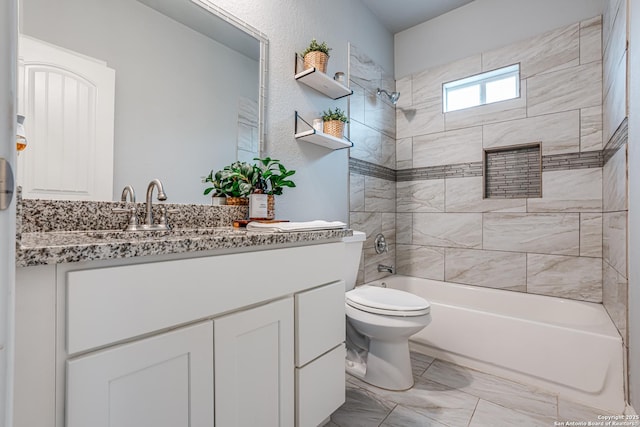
point(254, 382)
point(162, 381)
point(68, 102)
point(8, 45)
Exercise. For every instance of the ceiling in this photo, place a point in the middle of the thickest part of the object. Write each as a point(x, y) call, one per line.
point(402, 14)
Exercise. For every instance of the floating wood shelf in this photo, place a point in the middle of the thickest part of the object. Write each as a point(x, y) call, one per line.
point(319, 138)
point(324, 84)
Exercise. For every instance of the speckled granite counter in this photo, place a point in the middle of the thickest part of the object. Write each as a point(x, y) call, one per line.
point(53, 232)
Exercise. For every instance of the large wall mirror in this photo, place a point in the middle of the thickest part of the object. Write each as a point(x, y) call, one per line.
point(176, 86)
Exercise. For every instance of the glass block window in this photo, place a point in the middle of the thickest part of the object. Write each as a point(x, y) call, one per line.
point(513, 172)
point(481, 89)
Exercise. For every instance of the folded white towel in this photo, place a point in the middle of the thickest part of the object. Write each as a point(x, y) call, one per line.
point(285, 227)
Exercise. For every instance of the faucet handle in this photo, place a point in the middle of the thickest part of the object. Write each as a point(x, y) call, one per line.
point(164, 211)
point(133, 218)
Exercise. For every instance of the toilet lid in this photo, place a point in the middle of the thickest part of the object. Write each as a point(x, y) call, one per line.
point(390, 302)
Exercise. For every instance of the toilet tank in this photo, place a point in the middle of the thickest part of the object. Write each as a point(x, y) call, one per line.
point(353, 252)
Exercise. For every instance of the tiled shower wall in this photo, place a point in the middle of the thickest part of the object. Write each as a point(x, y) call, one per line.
point(615, 206)
point(372, 161)
point(445, 229)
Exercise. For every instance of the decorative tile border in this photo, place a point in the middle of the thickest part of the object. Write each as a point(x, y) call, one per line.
point(588, 159)
point(554, 162)
point(362, 167)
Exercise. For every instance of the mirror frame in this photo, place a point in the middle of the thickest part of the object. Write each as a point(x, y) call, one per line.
point(210, 7)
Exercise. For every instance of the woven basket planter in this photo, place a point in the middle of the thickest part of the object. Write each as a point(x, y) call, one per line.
point(238, 201)
point(334, 128)
point(316, 59)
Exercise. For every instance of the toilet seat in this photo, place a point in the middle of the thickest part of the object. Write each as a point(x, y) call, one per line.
point(387, 302)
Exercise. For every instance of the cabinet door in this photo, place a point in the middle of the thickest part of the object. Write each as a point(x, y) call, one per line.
point(163, 381)
point(254, 381)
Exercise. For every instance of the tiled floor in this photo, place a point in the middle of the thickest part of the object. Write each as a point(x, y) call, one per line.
point(449, 395)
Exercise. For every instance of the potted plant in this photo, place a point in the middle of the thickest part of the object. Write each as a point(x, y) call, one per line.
point(235, 182)
point(333, 122)
point(316, 55)
point(273, 177)
point(217, 196)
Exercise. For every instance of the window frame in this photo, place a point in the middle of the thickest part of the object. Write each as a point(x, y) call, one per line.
point(482, 80)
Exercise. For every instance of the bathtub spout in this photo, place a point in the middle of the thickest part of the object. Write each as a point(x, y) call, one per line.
point(388, 268)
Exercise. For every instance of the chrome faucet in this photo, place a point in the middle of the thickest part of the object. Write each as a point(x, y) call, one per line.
point(388, 268)
point(148, 221)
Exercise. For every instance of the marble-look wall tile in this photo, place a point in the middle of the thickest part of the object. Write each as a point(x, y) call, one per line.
point(427, 85)
point(615, 297)
point(569, 89)
point(388, 151)
point(616, 45)
point(420, 196)
point(459, 146)
point(389, 227)
point(577, 190)
point(454, 230)
point(541, 233)
point(591, 128)
point(405, 87)
point(591, 234)
point(373, 259)
point(565, 276)
point(369, 223)
point(367, 143)
point(364, 70)
point(404, 228)
point(493, 269)
point(420, 261)
point(356, 192)
point(490, 113)
point(614, 240)
point(379, 195)
point(615, 181)
point(615, 100)
point(419, 119)
point(559, 132)
point(611, 10)
point(357, 102)
point(591, 40)
point(465, 195)
point(404, 153)
point(550, 51)
point(380, 114)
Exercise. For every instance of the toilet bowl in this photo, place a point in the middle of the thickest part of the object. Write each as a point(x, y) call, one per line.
point(381, 320)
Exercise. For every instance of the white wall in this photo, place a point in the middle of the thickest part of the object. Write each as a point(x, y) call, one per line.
point(634, 203)
point(321, 177)
point(483, 25)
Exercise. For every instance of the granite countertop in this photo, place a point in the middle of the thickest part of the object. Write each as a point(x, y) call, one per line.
point(63, 231)
point(54, 247)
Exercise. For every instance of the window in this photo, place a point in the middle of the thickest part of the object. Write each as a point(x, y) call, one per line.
point(485, 88)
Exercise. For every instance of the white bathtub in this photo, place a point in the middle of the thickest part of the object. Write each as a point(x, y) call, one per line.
point(568, 347)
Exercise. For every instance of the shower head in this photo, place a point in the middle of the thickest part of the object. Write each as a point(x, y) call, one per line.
point(393, 96)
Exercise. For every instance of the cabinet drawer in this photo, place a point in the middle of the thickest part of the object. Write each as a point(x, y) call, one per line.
point(320, 321)
point(320, 388)
point(107, 305)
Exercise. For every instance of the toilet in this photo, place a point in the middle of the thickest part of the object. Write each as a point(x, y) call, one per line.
point(379, 323)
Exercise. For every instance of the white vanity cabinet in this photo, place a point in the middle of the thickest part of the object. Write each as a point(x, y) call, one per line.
point(249, 338)
point(162, 381)
point(254, 366)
